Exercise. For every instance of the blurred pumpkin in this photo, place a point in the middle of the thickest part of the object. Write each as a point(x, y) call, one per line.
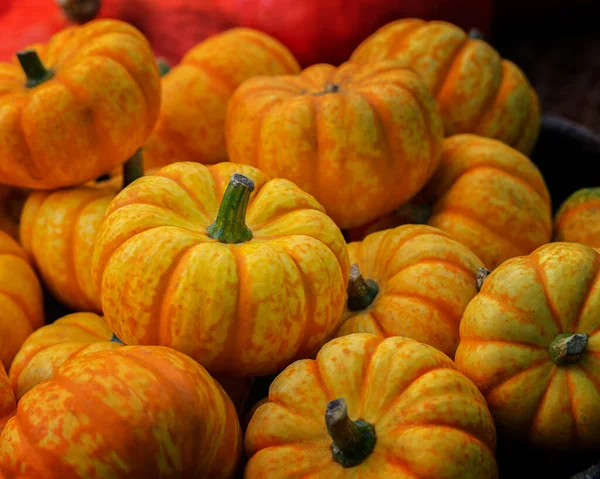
point(50, 346)
point(78, 106)
point(21, 301)
point(578, 218)
point(369, 407)
point(8, 404)
point(241, 272)
point(361, 138)
point(413, 281)
point(530, 340)
point(477, 91)
point(191, 125)
point(144, 410)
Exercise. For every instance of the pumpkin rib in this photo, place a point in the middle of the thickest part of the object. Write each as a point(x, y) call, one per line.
point(487, 107)
point(475, 340)
point(27, 159)
point(257, 126)
point(274, 48)
point(588, 293)
point(276, 217)
point(22, 306)
point(490, 389)
point(197, 203)
point(447, 316)
point(506, 305)
point(445, 70)
point(221, 79)
point(400, 42)
point(588, 374)
point(366, 373)
point(377, 323)
point(574, 412)
point(533, 261)
point(435, 261)
point(522, 130)
point(543, 399)
point(562, 218)
point(319, 375)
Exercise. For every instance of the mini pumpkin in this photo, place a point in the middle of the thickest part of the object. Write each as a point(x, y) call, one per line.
point(58, 230)
point(21, 301)
point(143, 411)
point(489, 197)
point(362, 139)
point(369, 407)
point(578, 218)
point(530, 340)
point(50, 346)
point(413, 281)
point(196, 93)
point(78, 106)
point(8, 404)
point(244, 286)
point(477, 91)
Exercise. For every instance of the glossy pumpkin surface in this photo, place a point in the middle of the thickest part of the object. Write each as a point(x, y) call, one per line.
point(127, 413)
point(50, 346)
point(196, 93)
point(489, 197)
point(97, 104)
point(424, 280)
point(511, 337)
point(477, 91)
point(429, 419)
point(361, 138)
point(243, 308)
point(578, 218)
point(21, 303)
point(8, 405)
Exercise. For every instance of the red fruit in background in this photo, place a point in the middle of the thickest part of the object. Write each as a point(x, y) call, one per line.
point(328, 30)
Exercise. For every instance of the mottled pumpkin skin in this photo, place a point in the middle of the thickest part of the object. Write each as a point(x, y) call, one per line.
point(505, 334)
point(58, 230)
point(132, 413)
point(578, 218)
point(11, 204)
point(47, 348)
point(489, 197)
point(425, 278)
point(361, 151)
point(191, 124)
point(239, 309)
point(476, 90)
point(97, 110)
point(8, 404)
point(21, 302)
point(430, 420)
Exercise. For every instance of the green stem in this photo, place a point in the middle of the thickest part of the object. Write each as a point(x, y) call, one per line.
point(230, 225)
point(34, 69)
point(482, 273)
point(114, 339)
point(475, 34)
point(361, 291)
point(353, 441)
point(567, 348)
point(163, 66)
point(133, 168)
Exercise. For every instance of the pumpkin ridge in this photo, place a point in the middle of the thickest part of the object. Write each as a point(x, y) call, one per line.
point(449, 264)
point(538, 363)
point(566, 213)
point(273, 218)
point(402, 465)
point(487, 107)
point(197, 203)
point(27, 160)
point(444, 72)
point(321, 380)
point(574, 412)
point(274, 49)
point(41, 456)
point(588, 293)
point(227, 84)
point(257, 133)
point(23, 306)
point(402, 39)
point(525, 344)
point(531, 111)
point(533, 261)
point(589, 376)
point(508, 305)
point(543, 400)
point(366, 374)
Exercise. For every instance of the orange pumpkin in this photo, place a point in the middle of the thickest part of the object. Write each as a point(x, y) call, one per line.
point(413, 281)
point(58, 230)
point(362, 139)
point(80, 108)
point(50, 346)
point(476, 90)
point(369, 407)
point(244, 288)
point(134, 412)
point(530, 340)
point(578, 218)
point(196, 93)
point(489, 197)
point(21, 302)
point(8, 404)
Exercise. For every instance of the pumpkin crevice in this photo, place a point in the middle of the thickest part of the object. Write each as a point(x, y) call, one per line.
point(361, 291)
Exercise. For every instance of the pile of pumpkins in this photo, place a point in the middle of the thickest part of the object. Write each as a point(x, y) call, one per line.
point(375, 233)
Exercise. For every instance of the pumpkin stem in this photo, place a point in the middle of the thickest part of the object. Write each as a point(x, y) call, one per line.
point(230, 225)
point(34, 69)
point(114, 339)
point(80, 11)
point(590, 473)
point(329, 88)
point(133, 168)
point(482, 273)
point(567, 348)
point(476, 34)
point(163, 66)
point(353, 441)
point(361, 291)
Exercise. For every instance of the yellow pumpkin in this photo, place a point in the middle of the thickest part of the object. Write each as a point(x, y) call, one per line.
point(578, 218)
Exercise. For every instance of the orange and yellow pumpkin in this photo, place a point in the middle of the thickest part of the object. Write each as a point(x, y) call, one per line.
point(413, 281)
point(196, 92)
point(8, 404)
point(369, 407)
point(50, 346)
point(530, 340)
point(362, 139)
point(134, 412)
point(241, 272)
point(21, 302)
point(578, 218)
point(477, 91)
point(489, 197)
point(78, 106)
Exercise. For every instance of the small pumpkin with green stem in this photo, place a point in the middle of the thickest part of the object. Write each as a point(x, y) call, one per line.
point(78, 106)
point(369, 407)
point(241, 272)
